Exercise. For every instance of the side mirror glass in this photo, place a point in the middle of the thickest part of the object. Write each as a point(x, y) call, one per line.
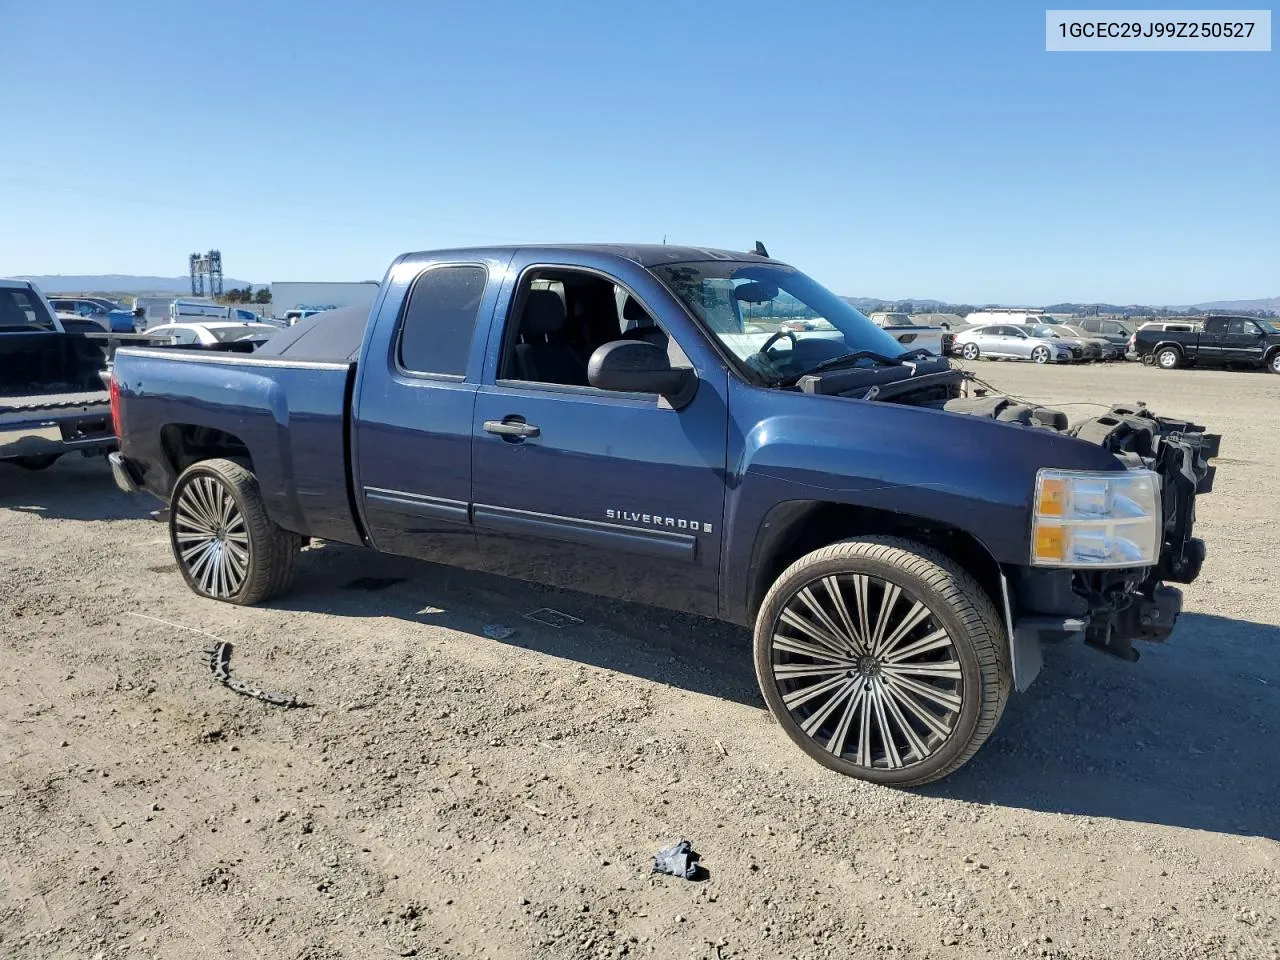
point(637, 366)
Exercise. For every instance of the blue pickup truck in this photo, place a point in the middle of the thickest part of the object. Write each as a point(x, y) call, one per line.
point(606, 418)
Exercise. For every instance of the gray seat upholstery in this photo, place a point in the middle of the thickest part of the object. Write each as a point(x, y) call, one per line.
point(638, 325)
point(543, 354)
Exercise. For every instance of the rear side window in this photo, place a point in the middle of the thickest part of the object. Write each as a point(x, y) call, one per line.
point(440, 320)
point(21, 311)
point(1211, 326)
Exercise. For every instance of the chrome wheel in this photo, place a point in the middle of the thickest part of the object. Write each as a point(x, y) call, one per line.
point(1275, 362)
point(1168, 359)
point(210, 537)
point(1040, 354)
point(866, 671)
point(970, 351)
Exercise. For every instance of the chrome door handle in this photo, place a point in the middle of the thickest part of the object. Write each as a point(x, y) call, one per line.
point(511, 427)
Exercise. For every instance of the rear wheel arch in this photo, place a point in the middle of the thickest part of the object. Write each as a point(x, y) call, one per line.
point(797, 527)
point(187, 443)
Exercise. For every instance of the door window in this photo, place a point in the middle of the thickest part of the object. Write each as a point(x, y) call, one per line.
point(1241, 327)
point(439, 320)
point(560, 317)
point(1212, 326)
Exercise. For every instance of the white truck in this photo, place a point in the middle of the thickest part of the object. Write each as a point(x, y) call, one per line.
point(900, 327)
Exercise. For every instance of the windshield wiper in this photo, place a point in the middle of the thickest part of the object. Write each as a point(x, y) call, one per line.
point(840, 361)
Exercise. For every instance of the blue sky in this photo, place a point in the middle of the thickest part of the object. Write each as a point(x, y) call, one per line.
point(889, 149)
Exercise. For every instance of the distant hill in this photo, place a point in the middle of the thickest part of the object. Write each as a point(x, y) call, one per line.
point(123, 283)
point(1266, 303)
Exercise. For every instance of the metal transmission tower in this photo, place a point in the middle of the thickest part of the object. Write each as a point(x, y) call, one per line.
point(206, 265)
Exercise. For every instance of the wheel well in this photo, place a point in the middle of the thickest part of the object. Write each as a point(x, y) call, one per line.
point(1171, 345)
point(800, 527)
point(186, 443)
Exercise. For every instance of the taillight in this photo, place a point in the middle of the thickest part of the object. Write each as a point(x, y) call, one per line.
point(115, 405)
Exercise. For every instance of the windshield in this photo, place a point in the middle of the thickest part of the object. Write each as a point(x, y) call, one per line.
point(228, 334)
point(747, 305)
point(1266, 326)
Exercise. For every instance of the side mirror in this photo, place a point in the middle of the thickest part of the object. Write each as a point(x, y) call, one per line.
point(637, 366)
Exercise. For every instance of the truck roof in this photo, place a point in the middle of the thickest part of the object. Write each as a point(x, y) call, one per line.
point(644, 254)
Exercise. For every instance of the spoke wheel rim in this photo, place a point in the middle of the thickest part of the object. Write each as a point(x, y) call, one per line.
point(1041, 355)
point(867, 671)
point(970, 351)
point(210, 538)
point(1275, 363)
point(1168, 358)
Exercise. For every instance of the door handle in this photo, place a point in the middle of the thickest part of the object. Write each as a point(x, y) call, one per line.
point(512, 428)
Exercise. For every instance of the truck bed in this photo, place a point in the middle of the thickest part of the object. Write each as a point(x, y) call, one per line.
point(288, 416)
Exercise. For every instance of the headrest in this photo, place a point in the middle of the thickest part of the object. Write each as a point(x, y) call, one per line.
point(631, 310)
point(543, 313)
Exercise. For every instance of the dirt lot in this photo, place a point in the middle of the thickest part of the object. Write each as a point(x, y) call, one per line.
point(448, 794)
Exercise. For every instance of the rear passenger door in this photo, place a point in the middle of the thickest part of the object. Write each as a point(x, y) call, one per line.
point(415, 392)
point(1212, 342)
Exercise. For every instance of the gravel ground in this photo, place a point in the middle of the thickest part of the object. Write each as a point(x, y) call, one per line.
point(450, 794)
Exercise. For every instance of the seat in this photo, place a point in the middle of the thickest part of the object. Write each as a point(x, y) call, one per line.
point(543, 354)
point(638, 325)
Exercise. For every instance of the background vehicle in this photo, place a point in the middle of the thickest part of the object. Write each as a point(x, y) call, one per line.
point(1220, 341)
point(218, 334)
point(195, 310)
point(1113, 331)
point(107, 314)
point(500, 410)
point(52, 398)
point(293, 316)
point(911, 335)
point(1095, 348)
point(1011, 341)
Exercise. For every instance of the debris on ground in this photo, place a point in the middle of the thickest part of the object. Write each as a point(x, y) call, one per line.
point(220, 666)
point(496, 631)
point(553, 618)
point(679, 860)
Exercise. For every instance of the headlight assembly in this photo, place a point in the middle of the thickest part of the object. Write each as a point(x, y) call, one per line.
point(1096, 519)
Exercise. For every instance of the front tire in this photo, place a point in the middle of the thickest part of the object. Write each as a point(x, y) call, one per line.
point(1040, 355)
point(970, 351)
point(1273, 362)
point(883, 660)
point(223, 541)
point(1168, 359)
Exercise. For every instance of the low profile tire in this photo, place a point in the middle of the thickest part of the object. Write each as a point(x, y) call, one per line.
point(1273, 362)
point(42, 462)
point(970, 351)
point(1040, 355)
point(223, 541)
point(882, 660)
point(1168, 359)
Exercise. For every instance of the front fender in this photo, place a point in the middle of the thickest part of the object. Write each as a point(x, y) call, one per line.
point(953, 470)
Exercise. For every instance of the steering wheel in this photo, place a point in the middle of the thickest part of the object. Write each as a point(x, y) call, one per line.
point(775, 338)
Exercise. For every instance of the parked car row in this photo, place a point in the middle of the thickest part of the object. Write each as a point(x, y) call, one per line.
point(1040, 343)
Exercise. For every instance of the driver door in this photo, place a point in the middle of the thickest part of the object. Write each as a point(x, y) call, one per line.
point(615, 494)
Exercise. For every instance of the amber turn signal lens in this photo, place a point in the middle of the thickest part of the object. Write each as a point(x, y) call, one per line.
point(1053, 497)
point(1051, 543)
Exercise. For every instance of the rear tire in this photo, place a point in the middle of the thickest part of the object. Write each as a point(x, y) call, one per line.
point(904, 702)
point(223, 541)
point(1169, 359)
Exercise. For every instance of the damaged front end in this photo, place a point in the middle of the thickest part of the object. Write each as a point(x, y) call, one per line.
point(1136, 605)
point(1115, 604)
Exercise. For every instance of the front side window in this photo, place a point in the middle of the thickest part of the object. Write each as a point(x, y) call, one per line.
point(1242, 328)
point(772, 319)
point(439, 320)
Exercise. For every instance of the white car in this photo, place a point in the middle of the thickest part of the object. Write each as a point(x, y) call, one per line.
point(214, 333)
